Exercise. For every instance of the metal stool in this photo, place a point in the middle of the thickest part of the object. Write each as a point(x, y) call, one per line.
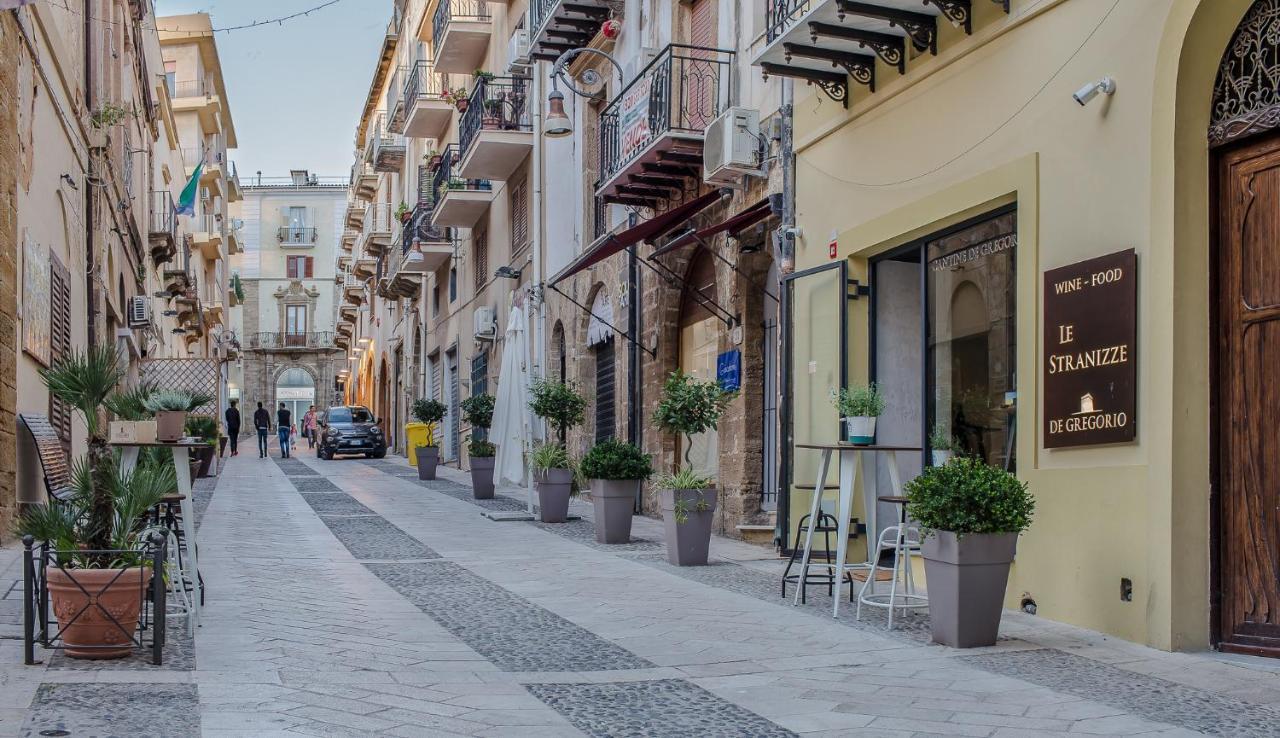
point(827, 524)
point(903, 540)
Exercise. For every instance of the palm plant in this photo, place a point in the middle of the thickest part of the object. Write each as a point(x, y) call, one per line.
point(176, 401)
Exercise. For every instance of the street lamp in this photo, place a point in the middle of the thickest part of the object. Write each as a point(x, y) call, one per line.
point(557, 124)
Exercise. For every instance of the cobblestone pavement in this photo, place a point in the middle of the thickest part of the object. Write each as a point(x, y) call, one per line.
point(348, 598)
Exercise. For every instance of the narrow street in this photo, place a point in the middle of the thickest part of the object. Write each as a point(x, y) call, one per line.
point(348, 598)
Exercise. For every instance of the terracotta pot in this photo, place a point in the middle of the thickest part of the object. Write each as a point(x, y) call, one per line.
point(104, 591)
point(482, 477)
point(461, 105)
point(555, 487)
point(967, 577)
point(689, 542)
point(428, 457)
point(435, 161)
point(406, 216)
point(171, 425)
point(613, 500)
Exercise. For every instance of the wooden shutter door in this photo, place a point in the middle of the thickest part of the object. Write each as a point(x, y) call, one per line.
point(60, 341)
point(310, 265)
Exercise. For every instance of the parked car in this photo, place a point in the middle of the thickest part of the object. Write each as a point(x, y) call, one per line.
point(350, 429)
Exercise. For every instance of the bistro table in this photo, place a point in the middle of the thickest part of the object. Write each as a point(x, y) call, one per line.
point(181, 454)
point(851, 457)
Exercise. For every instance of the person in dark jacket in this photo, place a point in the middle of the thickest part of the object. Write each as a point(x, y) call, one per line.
point(262, 422)
point(232, 417)
point(284, 424)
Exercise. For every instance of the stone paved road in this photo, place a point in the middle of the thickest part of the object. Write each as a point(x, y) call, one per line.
point(347, 598)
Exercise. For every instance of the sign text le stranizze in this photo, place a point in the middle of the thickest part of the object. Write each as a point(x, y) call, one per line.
point(1090, 351)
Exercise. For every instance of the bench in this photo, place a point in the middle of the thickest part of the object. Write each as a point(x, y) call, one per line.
point(53, 460)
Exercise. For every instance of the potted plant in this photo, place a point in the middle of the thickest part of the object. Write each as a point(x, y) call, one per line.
point(688, 407)
point(477, 411)
point(492, 113)
point(134, 422)
point(100, 575)
point(404, 212)
point(433, 158)
point(860, 406)
point(482, 76)
point(615, 469)
point(204, 428)
point(171, 408)
point(457, 98)
point(562, 408)
point(429, 413)
point(941, 444)
point(971, 514)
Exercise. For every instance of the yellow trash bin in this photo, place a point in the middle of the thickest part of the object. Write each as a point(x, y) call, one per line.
point(416, 435)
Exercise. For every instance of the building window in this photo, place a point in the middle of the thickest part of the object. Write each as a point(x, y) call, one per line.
point(453, 284)
point(295, 324)
point(519, 214)
point(171, 77)
point(299, 267)
point(480, 262)
point(435, 301)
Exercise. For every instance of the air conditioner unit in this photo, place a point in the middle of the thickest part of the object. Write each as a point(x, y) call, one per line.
point(486, 323)
point(518, 52)
point(731, 147)
point(139, 312)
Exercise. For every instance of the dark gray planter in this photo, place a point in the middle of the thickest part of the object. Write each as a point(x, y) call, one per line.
point(613, 500)
point(555, 487)
point(482, 477)
point(688, 542)
point(966, 577)
point(428, 457)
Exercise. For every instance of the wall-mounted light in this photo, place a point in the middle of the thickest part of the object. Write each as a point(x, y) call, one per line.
point(1091, 90)
point(557, 124)
point(506, 272)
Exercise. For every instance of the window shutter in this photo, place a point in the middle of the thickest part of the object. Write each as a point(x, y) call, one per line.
point(481, 244)
point(60, 340)
point(605, 391)
point(519, 215)
point(291, 267)
point(310, 265)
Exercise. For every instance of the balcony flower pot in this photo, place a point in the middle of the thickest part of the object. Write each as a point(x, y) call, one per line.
point(428, 458)
point(93, 593)
point(613, 500)
point(170, 425)
point(555, 487)
point(462, 105)
point(967, 576)
point(687, 515)
point(434, 163)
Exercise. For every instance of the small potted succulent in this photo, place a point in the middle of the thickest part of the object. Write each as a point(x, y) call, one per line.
point(971, 514)
point(429, 413)
point(562, 408)
point(941, 444)
point(477, 411)
point(688, 407)
point(860, 406)
point(170, 408)
point(615, 469)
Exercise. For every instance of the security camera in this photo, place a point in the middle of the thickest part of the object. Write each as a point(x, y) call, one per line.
point(1091, 90)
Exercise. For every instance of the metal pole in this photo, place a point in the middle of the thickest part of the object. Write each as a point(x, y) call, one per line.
point(786, 265)
point(28, 603)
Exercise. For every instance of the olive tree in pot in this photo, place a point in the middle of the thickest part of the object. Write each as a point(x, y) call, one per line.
point(100, 575)
point(553, 470)
point(688, 407)
point(972, 514)
point(477, 410)
point(429, 413)
point(171, 408)
point(615, 469)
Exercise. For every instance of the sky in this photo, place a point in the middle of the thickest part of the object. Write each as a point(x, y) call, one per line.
point(296, 89)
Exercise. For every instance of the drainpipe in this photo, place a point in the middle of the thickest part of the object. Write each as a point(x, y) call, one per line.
point(90, 261)
point(786, 265)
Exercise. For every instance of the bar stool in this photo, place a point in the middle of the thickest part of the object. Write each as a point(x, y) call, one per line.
point(827, 525)
point(903, 540)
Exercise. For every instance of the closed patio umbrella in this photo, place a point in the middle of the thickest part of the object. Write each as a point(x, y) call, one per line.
point(512, 423)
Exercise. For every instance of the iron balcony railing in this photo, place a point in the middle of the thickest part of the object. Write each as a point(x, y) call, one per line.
point(443, 181)
point(682, 90)
point(422, 82)
point(164, 219)
point(289, 339)
point(190, 88)
point(296, 236)
point(207, 224)
point(449, 10)
point(781, 15)
point(395, 101)
point(378, 218)
point(540, 11)
point(388, 146)
point(496, 104)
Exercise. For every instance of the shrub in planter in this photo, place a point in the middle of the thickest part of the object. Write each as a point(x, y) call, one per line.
point(972, 514)
point(556, 476)
point(860, 406)
point(481, 453)
point(170, 408)
point(429, 413)
point(941, 444)
point(616, 469)
point(97, 589)
point(688, 406)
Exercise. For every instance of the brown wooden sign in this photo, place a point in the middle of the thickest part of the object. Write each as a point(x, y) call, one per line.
point(1090, 352)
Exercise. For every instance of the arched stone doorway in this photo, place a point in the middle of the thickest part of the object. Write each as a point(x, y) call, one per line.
point(699, 346)
point(296, 388)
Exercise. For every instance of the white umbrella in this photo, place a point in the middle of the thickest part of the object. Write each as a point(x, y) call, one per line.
point(511, 419)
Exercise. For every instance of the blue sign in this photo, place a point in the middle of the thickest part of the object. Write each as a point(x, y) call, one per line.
point(729, 370)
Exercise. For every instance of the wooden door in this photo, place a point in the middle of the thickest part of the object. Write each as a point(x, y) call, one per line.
point(1248, 407)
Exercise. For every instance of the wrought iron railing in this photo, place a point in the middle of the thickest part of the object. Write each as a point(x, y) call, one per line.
point(682, 90)
point(422, 82)
point(383, 137)
point(378, 218)
point(540, 11)
point(496, 104)
point(449, 10)
point(781, 15)
point(600, 215)
point(296, 236)
point(395, 100)
point(190, 88)
point(163, 215)
point(290, 339)
point(443, 181)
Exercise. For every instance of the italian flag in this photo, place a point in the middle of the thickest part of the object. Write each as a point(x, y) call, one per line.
point(187, 200)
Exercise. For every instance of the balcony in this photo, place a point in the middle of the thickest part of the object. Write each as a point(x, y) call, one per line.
point(829, 42)
point(460, 30)
point(206, 235)
point(427, 115)
point(458, 202)
point(379, 228)
point(364, 267)
point(348, 312)
point(198, 96)
point(355, 215)
point(296, 237)
point(651, 134)
point(235, 193)
point(162, 233)
point(290, 341)
point(349, 238)
point(364, 181)
point(234, 239)
point(353, 291)
point(387, 148)
point(559, 25)
point(395, 100)
point(496, 131)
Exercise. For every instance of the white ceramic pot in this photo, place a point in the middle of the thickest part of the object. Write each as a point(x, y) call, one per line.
point(940, 458)
point(861, 430)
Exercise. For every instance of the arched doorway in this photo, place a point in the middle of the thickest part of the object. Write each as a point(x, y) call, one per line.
point(699, 345)
point(1245, 135)
point(383, 401)
point(296, 388)
point(600, 340)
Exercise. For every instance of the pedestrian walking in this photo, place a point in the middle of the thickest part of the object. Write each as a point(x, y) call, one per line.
point(232, 417)
point(309, 426)
point(262, 423)
point(284, 425)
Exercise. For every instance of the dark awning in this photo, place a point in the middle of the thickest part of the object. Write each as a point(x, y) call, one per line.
point(612, 243)
point(735, 224)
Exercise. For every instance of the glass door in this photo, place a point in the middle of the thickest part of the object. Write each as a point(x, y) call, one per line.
point(295, 325)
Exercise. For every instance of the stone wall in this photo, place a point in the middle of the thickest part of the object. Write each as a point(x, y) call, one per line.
point(9, 152)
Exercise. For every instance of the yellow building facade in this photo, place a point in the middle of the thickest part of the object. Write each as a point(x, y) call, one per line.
point(951, 189)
